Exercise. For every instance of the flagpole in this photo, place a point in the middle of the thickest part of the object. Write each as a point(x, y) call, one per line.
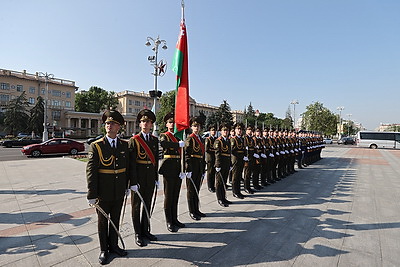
point(183, 9)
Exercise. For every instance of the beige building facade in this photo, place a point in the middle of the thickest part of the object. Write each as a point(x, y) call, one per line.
point(62, 117)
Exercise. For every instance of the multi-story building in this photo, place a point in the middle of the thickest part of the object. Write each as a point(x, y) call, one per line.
point(60, 96)
point(61, 102)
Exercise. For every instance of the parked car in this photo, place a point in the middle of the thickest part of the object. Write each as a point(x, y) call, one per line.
point(328, 141)
point(346, 141)
point(54, 146)
point(20, 135)
point(24, 141)
point(91, 140)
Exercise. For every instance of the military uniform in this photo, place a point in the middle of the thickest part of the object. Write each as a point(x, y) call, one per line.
point(210, 161)
point(222, 148)
point(238, 153)
point(144, 151)
point(171, 170)
point(195, 164)
point(259, 152)
point(108, 175)
point(249, 163)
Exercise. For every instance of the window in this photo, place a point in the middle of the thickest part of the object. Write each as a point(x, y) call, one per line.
point(56, 93)
point(130, 101)
point(144, 104)
point(31, 100)
point(43, 91)
point(68, 104)
point(20, 88)
point(56, 114)
point(5, 86)
point(4, 98)
point(137, 110)
point(68, 95)
point(137, 103)
point(130, 110)
point(56, 102)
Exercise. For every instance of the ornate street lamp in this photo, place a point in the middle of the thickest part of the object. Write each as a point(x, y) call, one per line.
point(160, 68)
point(47, 77)
point(294, 103)
point(340, 120)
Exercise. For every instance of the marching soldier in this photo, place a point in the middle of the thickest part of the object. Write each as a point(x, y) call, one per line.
point(144, 147)
point(231, 135)
point(237, 159)
point(195, 167)
point(249, 159)
point(171, 171)
point(210, 159)
point(108, 175)
point(222, 164)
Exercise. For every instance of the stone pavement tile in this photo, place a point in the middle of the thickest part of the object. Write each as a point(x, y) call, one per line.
point(36, 214)
point(360, 259)
point(54, 249)
point(43, 232)
point(14, 248)
point(80, 261)
point(10, 219)
point(287, 243)
point(390, 245)
point(364, 239)
point(302, 223)
point(31, 261)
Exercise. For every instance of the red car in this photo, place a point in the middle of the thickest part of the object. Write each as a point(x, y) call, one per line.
point(54, 146)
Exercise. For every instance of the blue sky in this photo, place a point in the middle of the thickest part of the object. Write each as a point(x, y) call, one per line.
point(267, 52)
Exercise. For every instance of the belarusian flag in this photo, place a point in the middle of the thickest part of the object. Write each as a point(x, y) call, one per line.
point(180, 67)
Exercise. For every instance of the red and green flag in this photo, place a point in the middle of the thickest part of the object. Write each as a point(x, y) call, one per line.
point(180, 67)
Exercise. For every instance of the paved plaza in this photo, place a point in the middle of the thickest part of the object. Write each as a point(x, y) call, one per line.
point(341, 211)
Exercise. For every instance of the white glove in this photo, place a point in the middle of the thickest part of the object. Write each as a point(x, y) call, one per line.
point(189, 175)
point(92, 201)
point(277, 153)
point(263, 155)
point(127, 191)
point(271, 155)
point(217, 169)
point(245, 158)
point(282, 153)
point(247, 148)
point(296, 150)
point(230, 168)
point(181, 143)
point(257, 147)
point(135, 188)
point(291, 151)
point(299, 149)
point(272, 147)
point(202, 176)
point(157, 184)
point(182, 175)
point(287, 152)
point(256, 156)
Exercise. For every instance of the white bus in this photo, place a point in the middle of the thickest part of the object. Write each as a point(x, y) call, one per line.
point(378, 139)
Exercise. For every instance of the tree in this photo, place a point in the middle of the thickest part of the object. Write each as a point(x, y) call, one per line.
point(16, 115)
point(249, 116)
point(319, 118)
point(167, 104)
point(95, 100)
point(222, 115)
point(36, 117)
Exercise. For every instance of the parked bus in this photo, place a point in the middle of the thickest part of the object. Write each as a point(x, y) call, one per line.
point(378, 139)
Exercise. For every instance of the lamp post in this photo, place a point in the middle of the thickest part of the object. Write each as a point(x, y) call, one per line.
point(294, 103)
point(340, 120)
point(46, 77)
point(348, 125)
point(159, 70)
